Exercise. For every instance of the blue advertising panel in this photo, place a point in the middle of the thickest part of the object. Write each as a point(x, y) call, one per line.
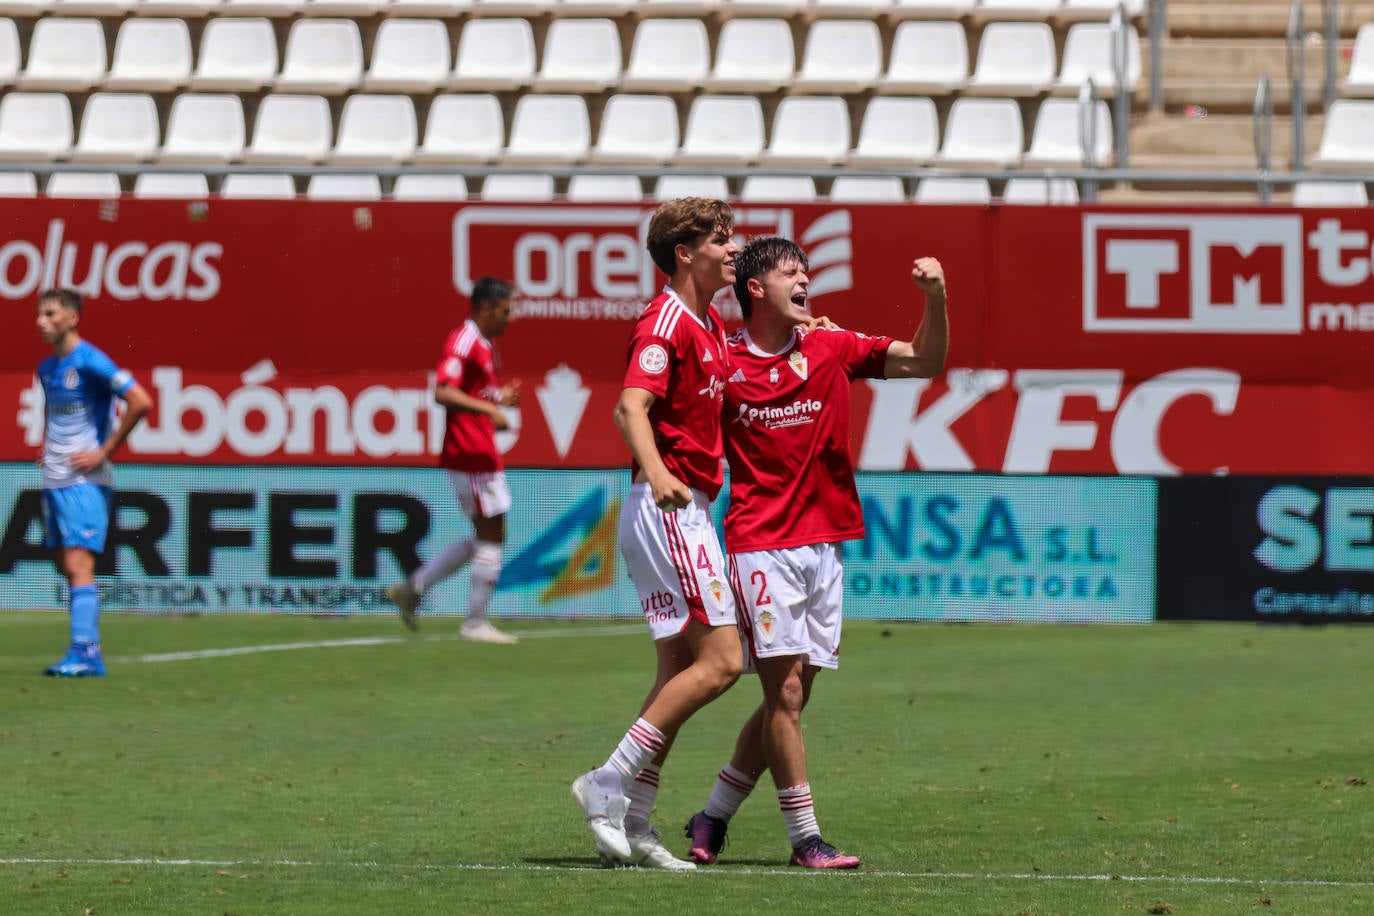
point(330, 540)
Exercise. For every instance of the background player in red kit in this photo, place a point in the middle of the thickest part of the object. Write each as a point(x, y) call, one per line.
point(468, 386)
point(670, 415)
point(792, 501)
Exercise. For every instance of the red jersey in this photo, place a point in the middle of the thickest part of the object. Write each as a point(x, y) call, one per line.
point(787, 439)
point(470, 365)
point(683, 362)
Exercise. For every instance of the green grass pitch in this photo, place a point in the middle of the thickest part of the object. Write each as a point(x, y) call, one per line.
point(356, 768)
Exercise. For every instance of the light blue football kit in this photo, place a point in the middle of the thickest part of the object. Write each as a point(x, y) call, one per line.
point(79, 391)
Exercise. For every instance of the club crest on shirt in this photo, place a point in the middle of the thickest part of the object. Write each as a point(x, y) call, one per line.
point(766, 626)
point(773, 376)
point(798, 363)
point(653, 359)
point(71, 379)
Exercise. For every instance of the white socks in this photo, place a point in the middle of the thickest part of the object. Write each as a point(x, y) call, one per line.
point(486, 569)
point(798, 811)
point(731, 789)
point(642, 791)
point(444, 565)
point(640, 745)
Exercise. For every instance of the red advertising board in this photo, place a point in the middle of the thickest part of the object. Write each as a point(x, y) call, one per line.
point(1085, 340)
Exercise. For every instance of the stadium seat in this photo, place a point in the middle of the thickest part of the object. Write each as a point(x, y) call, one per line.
point(463, 128)
point(204, 128)
point(897, 131)
point(117, 127)
point(105, 9)
point(809, 130)
point(409, 55)
point(928, 58)
point(1037, 10)
point(857, 189)
point(1014, 58)
point(1040, 191)
point(188, 9)
point(862, 9)
point(291, 129)
point(1360, 80)
point(66, 55)
point(517, 187)
point(609, 8)
point(18, 184)
point(1057, 138)
point(35, 126)
point(439, 9)
point(261, 186)
point(323, 56)
point(27, 8)
point(181, 185)
point(344, 187)
point(151, 55)
point(430, 187)
point(352, 9)
point(945, 190)
point(83, 184)
point(494, 54)
point(637, 128)
point(932, 9)
point(778, 9)
point(275, 9)
point(526, 9)
point(840, 56)
point(1330, 194)
point(236, 55)
point(376, 130)
point(671, 187)
point(789, 188)
point(753, 55)
point(580, 55)
point(667, 55)
point(11, 57)
point(1099, 9)
point(618, 188)
point(982, 132)
point(1345, 140)
point(723, 129)
point(549, 129)
point(1088, 54)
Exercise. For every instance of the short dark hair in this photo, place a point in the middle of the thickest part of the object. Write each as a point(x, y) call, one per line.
point(67, 298)
point(759, 257)
point(682, 222)
point(490, 291)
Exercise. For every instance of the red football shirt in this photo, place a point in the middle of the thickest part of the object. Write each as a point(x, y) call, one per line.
point(470, 365)
point(787, 439)
point(683, 362)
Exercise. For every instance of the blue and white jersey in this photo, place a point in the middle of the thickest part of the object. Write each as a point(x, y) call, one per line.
point(79, 391)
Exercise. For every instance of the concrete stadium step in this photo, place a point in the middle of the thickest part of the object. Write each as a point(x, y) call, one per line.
point(1222, 74)
point(1244, 17)
point(1214, 143)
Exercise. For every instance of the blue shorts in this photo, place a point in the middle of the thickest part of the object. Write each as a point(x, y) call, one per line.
point(77, 516)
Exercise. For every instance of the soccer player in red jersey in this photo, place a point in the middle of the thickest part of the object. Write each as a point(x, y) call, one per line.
point(670, 415)
point(792, 501)
point(468, 387)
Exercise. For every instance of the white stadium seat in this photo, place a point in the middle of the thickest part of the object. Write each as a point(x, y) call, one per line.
point(809, 130)
point(463, 128)
point(65, 54)
point(617, 188)
point(1345, 142)
point(118, 127)
point(840, 56)
point(409, 55)
point(291, 129)
point(344, 187)
point(179, 185)
point(1360, 80)
point(322, 56)
point(671, 187)
point(430, 187)
point(261, 186)
point(897, 131)
point(637, 128)
point(944, 190)
point(1088, 55)
point(1038, 10)
point(549, 129)
point(1058, 135)
point(1330, 194)
point(753, 55)
point(580, 55)
point(11, 56)
point(376, 130)
point(1014, 58)
point(275, 9)
point(439, 9)
point(781, 188)
point(932, 9)
point(35, 125)
point(352, 9)
point(929, 58)
point(667, 55)
point(855, 189)
point(1099, 9)
point(236, 55)
point(18, 184)
point(513, 186)
point(723, 129)
point(204, 128)
point(982, 132)
point(494, 54)
point(83, 184)
point(151, 55)
point(1040, 191)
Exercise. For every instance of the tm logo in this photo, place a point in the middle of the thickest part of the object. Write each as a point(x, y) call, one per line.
point(1192, 274)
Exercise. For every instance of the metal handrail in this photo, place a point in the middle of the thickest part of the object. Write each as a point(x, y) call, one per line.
point(1297, 90)
point(1159, 14)
point(1087, 133)
point(1121, 103)
point(1331, 36)
point(1264, 136)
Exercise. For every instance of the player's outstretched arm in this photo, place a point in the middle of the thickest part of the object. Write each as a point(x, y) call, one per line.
point(632, 419)
point(924, 355)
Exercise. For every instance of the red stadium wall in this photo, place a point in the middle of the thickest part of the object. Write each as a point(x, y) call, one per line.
point(1085, 340)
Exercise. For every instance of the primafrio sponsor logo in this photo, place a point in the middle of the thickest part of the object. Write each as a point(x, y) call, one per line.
point(590, 263)
point(798, 413)
point(153, 269)
point(1192, 274)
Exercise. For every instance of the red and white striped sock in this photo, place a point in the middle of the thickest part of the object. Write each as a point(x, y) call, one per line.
point(642, 791)
point(731, 789)
point(798, 811)
point(640, 745)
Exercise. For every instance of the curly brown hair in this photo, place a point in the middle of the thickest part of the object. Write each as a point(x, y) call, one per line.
point(685, 221)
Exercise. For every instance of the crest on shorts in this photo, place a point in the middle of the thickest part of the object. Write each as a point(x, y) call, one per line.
point(766, 626)
point(717, 589)
point(653, 359)
point(798, 363)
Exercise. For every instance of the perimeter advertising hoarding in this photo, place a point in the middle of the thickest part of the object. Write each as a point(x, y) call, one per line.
point(329, 540)
point(1266, 548)
point(1084, 340)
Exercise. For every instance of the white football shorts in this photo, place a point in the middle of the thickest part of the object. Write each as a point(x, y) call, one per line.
point(675, 562)
point(481, 493)
point(791, 602)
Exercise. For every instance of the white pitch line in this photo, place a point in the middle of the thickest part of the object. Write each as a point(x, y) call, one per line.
point(609, 630)
point(780, 871)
